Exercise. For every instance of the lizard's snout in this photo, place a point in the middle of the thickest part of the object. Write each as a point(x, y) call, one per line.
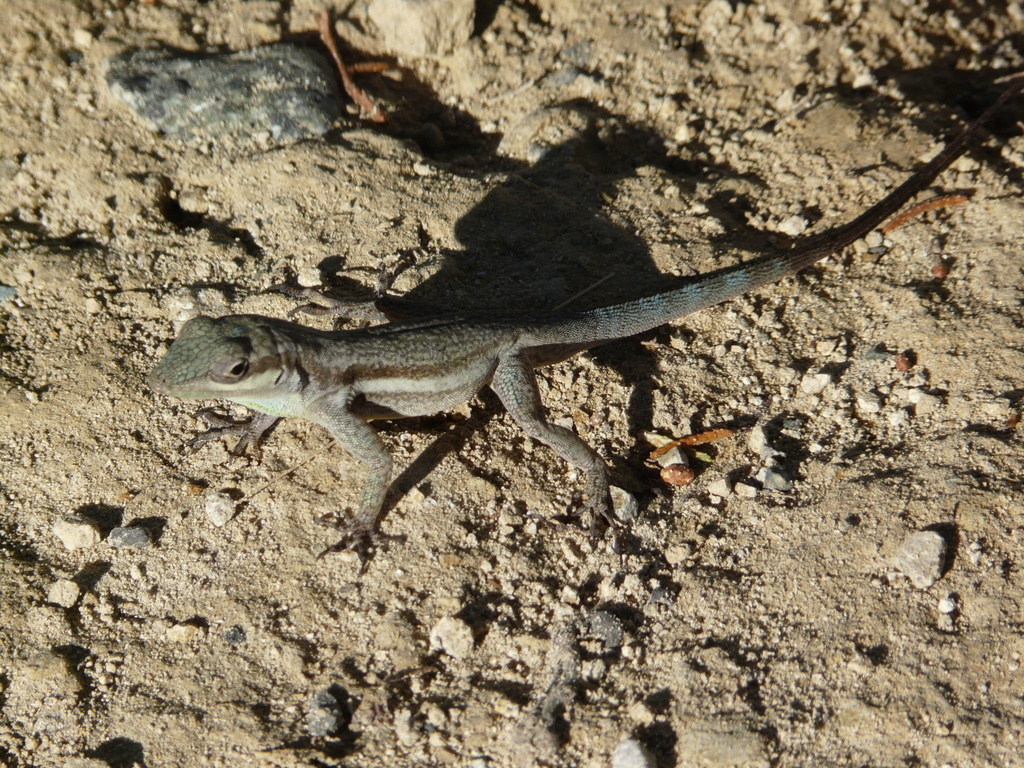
point(157, 382)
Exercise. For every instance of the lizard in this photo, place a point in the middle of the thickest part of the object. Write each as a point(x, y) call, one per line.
point(345, 379)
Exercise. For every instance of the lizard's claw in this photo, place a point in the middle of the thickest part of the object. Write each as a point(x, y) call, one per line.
point(250, 432)
point(602, 521)
point(361, 540)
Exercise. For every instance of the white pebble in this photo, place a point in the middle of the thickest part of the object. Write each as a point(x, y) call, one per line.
point(868, 402)
point(947, 604)
point(183, 633)
point(77, 534)
point(630, 753)
point(308, 277)
point(757, 440)
point(452, 636)
point(921, 558)
point(744, 490)
point(874, 238)
point(815, 383)
point(719, 487)
point(63, 593)
point(792, 225)
point(82, 38)
point(220, 508)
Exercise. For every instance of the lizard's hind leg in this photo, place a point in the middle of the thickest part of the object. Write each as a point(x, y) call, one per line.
point(516, 387)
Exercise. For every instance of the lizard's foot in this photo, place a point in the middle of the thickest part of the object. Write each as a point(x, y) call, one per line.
point(604, 520)
point(322, 305)
point(250, 431)
point(360, 539)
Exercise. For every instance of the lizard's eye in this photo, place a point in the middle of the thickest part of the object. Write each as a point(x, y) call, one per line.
point(239, 369)
point(232, 371)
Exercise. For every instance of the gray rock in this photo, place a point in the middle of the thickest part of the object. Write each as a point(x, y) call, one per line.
point(422, 27)
point(606, 628)
point(323, 715)
point(775, 479)
point(129, 538)
point(624, 503)
point(279, 92)
point(922, 557)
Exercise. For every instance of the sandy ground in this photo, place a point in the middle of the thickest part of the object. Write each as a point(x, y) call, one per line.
point(564, 143)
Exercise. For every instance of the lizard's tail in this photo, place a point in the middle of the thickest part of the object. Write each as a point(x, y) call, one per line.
point(606, 323)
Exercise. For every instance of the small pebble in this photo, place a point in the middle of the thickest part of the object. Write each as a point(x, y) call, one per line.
point(744, 490)
point(6, 292)
point(677, 553)
point(183, 633)
point(308, 277)
point(132, 537)
point(624, 503)
point(323, 715)
point(940, 271)
point(404, 729)
point(774, 479)
point(45, 665)
point(868, 402)
point(82, 38)
point(76, 533)
point(947, 604)
point(662, 596)
point(423, 169)
point(922, 557)
point(719, 487)
point(874, 238)
point(815, 383)
point(673, 456)
point(63, 593)
point(720, 743)
point(607, 629)
point(792, 225)
point(422, 27)
point(453, 637)
point(85, 762)
point(234, 635)
point(220, 508)
point(630, 753)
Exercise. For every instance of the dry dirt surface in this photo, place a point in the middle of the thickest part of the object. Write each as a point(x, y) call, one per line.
point(754, 618)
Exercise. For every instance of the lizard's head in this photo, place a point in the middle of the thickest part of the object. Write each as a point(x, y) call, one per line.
point(221, 358)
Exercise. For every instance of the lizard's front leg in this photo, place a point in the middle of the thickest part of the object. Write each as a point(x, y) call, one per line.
point(361, 440)
point(249, 432)
point(516, 386)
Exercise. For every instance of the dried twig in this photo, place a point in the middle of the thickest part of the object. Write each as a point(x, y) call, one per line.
point(368, 109)
point(701, 438)
point(916, 210)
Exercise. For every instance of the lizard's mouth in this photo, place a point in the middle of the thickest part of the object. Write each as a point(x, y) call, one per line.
point(157, 382)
